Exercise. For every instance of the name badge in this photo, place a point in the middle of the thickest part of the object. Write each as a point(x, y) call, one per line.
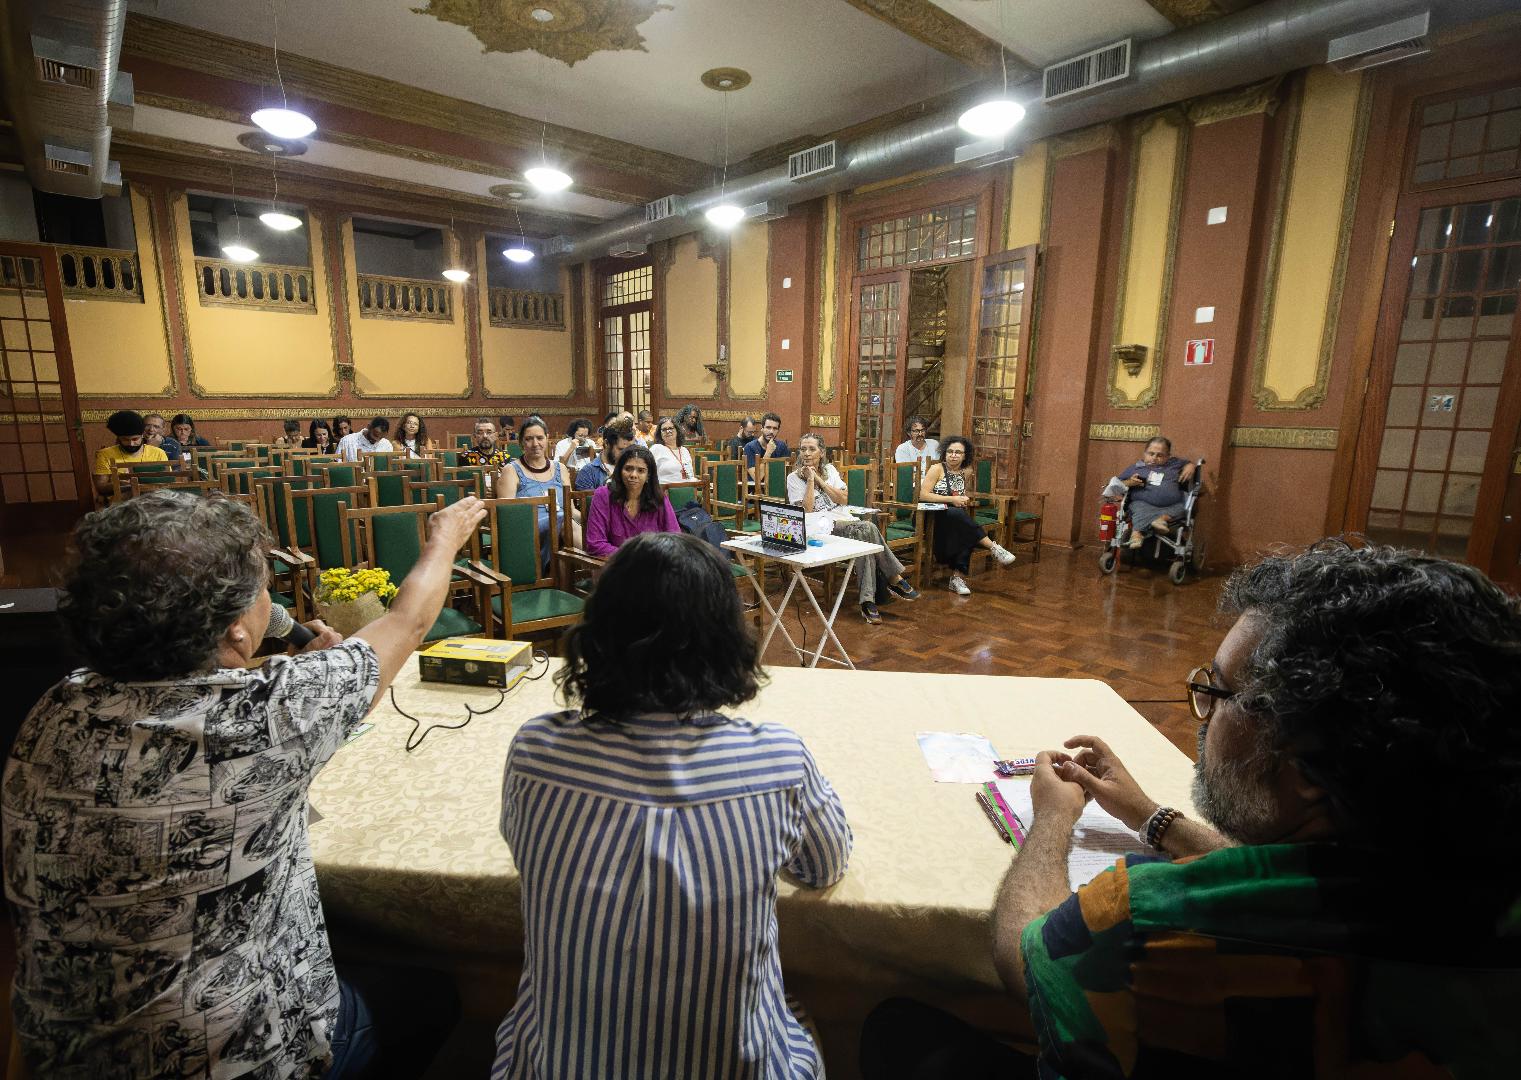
point(1155, 478)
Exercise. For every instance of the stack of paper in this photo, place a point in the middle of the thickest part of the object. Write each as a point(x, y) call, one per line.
point(1098, 841)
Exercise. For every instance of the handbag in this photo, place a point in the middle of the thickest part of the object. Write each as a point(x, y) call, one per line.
point(697, 522)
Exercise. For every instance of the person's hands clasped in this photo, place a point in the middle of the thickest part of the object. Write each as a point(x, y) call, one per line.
point(326, 637)
point(1099, 772)
point(453, 524)
point(1052, 792)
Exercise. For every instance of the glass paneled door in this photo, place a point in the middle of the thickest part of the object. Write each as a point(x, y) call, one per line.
point(44, 477)
point(1004, 298)
point(879, 341)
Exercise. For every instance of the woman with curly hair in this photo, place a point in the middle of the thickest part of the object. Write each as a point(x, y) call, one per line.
point(668, 862)
point(170, 742)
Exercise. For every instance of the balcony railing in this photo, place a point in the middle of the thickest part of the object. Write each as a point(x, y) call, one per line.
point(519, 307)
point(20, 272)
point(91, 273)
point(266, 286)
point(405, 298)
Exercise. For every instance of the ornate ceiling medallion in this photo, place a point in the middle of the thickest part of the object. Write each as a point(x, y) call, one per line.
point(568, 30)
point(262, 142)
point(725, 79)
point(511, 190)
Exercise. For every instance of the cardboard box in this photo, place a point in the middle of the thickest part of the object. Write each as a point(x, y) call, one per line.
point(475, 662)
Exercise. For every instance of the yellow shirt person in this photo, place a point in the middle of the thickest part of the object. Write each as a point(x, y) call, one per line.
point(128, 427)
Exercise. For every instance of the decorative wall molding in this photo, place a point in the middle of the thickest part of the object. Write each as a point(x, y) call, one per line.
point(925, 22)
point(1097, 137)
point(1285, 438)
point(824, 420)
point(1258, 98)
point(578, 29)
point(829, 301)
point(374, 405)
point(1123, 432)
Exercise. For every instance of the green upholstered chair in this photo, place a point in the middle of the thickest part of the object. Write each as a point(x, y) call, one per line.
point(524, 598)
point(515, 449)
point(728, 504)
point(241, 481)
point(464, 442)
point(388, 488)
point(129, 478)
point(288, 564)
point(430, 491)
point(417, 468)
point(903, 523)
point(219, 463)
point(447, 459)
point(474, 474)
point(1019, 515)
point(340, 474)
point(391, 538)
point(316, 511)
point(305, 464)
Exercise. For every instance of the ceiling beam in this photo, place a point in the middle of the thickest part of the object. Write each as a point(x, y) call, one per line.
point(183, 47)
point(939, 29)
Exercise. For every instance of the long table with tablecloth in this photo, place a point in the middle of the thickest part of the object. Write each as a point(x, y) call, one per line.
point(409, 855)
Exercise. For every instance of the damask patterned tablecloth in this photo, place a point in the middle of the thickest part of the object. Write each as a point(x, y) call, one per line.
point(407, 847)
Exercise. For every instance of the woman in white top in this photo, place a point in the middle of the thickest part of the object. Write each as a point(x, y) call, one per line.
point(673, 461)
point(577, 448)
point(816, 486)
point(412, 435)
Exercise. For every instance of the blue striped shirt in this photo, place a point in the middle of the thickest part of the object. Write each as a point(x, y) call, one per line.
point(648, 851)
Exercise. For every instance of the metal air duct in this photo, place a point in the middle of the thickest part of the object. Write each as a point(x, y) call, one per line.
point(1254, 44)
point(64, 91)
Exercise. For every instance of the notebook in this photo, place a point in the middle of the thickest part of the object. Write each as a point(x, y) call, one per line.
point(1098, 841)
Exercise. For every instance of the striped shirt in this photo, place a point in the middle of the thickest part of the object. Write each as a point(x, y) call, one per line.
point(649, 851)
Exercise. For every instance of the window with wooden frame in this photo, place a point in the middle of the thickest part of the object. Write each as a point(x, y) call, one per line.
point(926, 236)
point(625, 310)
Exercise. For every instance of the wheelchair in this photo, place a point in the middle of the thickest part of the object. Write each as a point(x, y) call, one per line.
point(1180, 547)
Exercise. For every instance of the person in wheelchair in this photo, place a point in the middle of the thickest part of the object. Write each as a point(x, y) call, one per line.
point(1156, 496)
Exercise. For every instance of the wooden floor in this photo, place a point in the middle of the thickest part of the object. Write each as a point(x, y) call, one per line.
point(1058, 618)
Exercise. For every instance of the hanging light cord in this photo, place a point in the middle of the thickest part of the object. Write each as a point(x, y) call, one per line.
point(274, 12)
point(237, 222)
point(723, 184)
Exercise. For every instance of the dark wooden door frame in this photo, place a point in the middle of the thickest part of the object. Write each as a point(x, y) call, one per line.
point(1030, 254)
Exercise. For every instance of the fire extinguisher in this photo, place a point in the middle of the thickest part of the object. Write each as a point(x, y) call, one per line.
point(1107, 514)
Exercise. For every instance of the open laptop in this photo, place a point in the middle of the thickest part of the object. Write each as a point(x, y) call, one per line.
point(783, 529)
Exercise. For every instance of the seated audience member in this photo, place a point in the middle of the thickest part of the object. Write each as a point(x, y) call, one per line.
point(916, 447)
point(507, 429)
point(167, 600)
point(673, 460)
point(766, 444)
point(1157, 482)
point(957, 534)
point(129, 428)
point(154, 434)
point(737, 444)
point(632, 502)
point(342, 427)
point(372, 440)
point(817, 487)
point(182, 427)
point(644, 428)
point(1346, 906)
point(534, 474)
point(412, 435)
point(290, 437)
point(485, 451)
point(576, 449)
point(319, 437)
point(597, 472)
point(689, 420)
point(687, 841)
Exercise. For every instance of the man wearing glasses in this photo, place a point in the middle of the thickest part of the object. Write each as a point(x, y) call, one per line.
point(1348, 905)
point(917, 447)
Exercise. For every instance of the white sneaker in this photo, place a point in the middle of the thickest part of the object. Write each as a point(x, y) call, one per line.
point(1004, 556)
point(959, 587)
point(1136, 539)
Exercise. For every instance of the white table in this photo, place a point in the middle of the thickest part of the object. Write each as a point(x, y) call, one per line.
point(828, 551)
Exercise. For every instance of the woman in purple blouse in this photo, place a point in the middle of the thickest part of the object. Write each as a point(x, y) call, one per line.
point(629, 504)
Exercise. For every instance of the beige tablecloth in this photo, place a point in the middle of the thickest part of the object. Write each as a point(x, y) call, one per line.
point(407, 848)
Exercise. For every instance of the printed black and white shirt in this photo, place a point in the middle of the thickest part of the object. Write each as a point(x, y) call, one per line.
point(159, 875)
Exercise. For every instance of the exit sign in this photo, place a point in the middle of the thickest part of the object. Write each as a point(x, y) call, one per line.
point(784, 374)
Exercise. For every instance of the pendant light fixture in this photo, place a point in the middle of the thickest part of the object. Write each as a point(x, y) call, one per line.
point(996, 117)
point(456, 273)
point(725, 214)
point(545, 178)
point(237, 251)
point(282, 122)
point(519, 252)
point(274, 218)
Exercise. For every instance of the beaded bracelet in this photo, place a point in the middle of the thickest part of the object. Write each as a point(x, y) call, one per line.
point(1160, 821)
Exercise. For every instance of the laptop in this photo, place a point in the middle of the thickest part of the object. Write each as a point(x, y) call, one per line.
point(782, 528)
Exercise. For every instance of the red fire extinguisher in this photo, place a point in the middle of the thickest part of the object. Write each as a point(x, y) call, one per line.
point(1107, 514)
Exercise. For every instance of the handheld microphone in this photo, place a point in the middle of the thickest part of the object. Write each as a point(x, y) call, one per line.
point(283, 628)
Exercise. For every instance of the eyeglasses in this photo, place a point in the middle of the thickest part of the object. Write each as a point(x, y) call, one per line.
point(1203, 693)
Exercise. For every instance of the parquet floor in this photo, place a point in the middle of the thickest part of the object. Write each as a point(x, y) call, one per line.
point(1059, 618)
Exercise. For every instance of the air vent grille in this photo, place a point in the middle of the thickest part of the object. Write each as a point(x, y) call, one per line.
point(63, 74)
point(1091, 70)
point(72, 168)
point(661, 209)
point(811, 162)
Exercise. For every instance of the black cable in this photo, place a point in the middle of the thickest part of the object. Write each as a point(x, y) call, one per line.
point(414, 740)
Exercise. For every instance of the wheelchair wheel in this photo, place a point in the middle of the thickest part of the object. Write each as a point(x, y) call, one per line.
point(1106, 561)
point(1178, 572)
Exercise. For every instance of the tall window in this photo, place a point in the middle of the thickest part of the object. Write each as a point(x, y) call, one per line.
point(946, 232)
point(627, 300)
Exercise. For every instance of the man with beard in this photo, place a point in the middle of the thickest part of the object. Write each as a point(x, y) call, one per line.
point(1350, 909)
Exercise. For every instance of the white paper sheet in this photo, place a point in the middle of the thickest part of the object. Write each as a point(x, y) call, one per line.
point(958, 757)
point(1098, 842)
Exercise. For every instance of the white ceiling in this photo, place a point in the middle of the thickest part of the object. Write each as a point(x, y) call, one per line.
point(1045, 31)
point(817, 65)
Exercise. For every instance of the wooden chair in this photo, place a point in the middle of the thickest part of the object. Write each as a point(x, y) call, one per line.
point(388, 487)
point(1014, 512)
point(577, 565)
point(340, 473)
point(475, 474)
point(289, 566)
point(305, 463)
point(447, 459)
point(514, 449)
point(463, 442)
point(903, 525)
point(391, 538)
point(418, 468)
point(316, 512)
point(241, 481)
point(525, 599)
point(728, 503)
point(128, 478)
point(450, 491)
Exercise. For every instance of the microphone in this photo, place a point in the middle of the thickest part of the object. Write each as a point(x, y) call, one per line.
point(283, 628)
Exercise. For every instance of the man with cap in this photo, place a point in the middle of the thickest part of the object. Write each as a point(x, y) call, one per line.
point(129, 448)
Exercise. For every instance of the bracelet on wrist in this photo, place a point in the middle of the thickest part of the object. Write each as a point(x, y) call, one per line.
point(1151, 831)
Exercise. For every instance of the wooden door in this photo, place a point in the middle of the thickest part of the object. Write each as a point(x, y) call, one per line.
point(1003, 298)
point(1505, 566)
point(879, 360)
point(44, 469)
point(1436, 469)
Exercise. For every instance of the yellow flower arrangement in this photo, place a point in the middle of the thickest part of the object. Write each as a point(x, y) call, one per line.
point(341, 585)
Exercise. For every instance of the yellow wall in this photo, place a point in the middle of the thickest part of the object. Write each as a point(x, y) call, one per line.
point(1309, 247)
point(749, 266)
point(1027, 197)
point(237, 351)
point(1146, 281)
point(828, 300)
point(525, 363)
point(123, 348)
point(404, 358)
point(691, 320)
